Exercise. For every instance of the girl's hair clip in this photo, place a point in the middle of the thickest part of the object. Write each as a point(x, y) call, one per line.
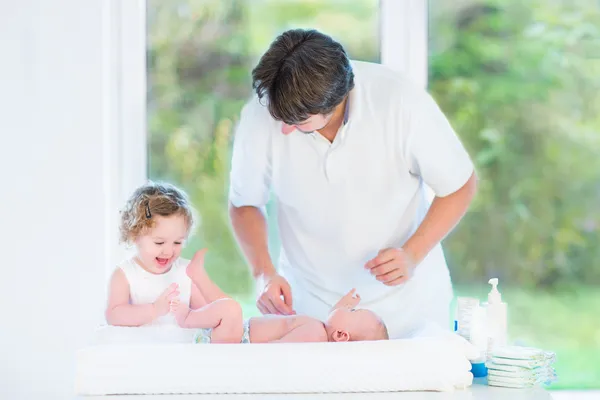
point(148, 213)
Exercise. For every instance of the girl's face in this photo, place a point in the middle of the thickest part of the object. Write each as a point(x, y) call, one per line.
point(158, 247)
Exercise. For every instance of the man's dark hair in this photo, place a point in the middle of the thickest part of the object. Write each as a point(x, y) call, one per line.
point(303, 73)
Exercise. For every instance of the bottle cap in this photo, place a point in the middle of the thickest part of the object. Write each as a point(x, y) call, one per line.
point(494, 296)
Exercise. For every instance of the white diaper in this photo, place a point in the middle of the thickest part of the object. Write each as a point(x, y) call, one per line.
point(203, 335)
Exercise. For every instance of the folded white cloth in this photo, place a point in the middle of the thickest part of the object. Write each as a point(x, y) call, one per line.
point(518, 363)
point(543, 375)
point(524, 353)
point(515, 366)
point(428, 363)
point(500, 370)
point(514, 385)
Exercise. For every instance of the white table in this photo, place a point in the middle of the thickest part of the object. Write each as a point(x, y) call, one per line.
point(479, 391)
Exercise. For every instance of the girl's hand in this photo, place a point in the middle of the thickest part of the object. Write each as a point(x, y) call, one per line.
point(162, 305)
point(180, 311)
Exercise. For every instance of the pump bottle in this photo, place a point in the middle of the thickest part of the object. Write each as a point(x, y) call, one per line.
point(496, 318)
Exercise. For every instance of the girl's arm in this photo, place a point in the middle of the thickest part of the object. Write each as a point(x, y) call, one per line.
point(120, 312)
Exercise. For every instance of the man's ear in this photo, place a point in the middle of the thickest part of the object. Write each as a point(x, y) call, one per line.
point(341, 336)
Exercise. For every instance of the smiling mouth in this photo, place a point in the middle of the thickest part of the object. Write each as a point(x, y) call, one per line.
point(162, 261)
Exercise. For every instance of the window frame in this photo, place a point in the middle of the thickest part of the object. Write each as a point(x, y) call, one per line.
point(404, 37)
point(124, 83)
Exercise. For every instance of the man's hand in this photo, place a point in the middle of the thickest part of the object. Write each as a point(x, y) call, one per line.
point(350, 300)
point(270, 302)
point(392, 266)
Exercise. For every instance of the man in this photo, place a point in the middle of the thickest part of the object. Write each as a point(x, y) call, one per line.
point(347, 149)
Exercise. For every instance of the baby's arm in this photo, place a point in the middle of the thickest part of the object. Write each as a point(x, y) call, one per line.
point(121, 313)
point(349, 300)
point(309, 331)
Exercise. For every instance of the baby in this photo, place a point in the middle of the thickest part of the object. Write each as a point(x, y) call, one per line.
point(344, 323)
point(152, 287)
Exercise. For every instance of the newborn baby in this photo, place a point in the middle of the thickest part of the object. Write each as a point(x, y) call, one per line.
point(344, 322)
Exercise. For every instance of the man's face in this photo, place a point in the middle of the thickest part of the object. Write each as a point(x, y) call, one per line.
point(313, 123)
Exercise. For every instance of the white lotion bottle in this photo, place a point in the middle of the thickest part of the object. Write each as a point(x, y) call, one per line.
point(496, 318)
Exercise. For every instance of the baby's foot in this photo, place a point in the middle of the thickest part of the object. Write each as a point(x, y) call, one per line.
point(195, 268)
point(180, 311)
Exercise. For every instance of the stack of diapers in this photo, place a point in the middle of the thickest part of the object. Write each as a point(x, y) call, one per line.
point(163, 360)
point(520, 367)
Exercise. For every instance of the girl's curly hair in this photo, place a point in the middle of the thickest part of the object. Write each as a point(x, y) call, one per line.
point(148, 201)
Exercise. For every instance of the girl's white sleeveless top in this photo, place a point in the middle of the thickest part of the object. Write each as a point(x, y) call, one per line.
point(145, 287)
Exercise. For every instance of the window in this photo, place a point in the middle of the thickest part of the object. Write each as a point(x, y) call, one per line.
point(200, 55)
point(520, 86)
point(518, 83)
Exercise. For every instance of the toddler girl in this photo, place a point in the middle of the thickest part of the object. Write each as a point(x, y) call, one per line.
point(152, 286)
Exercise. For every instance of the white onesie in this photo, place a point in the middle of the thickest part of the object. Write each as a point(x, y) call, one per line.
point(145, 287)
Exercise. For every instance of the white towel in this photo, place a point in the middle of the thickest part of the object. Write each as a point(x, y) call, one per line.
point(428, 363)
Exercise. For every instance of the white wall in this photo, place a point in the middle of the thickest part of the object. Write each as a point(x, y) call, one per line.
point(53, 200)
point(71, 103)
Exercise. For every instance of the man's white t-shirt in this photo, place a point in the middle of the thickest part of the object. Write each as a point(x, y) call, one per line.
point(340, 203)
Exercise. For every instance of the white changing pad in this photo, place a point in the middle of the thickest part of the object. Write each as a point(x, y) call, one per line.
point(162, 361)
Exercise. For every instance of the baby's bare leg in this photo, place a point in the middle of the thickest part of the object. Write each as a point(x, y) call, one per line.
point(225, 318)
point(195, 270)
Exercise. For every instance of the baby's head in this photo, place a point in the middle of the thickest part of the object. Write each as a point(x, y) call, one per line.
point(348, 324)
point(157, 219)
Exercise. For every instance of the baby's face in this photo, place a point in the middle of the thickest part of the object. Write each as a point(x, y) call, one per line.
point(344, 324)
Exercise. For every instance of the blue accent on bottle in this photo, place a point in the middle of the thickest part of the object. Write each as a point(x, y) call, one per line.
point(479, 370)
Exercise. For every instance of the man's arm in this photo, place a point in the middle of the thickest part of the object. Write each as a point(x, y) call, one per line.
point(394, 266)
point(250, 183)
point(443, 215)
point(250, 228)
point(432, 151)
